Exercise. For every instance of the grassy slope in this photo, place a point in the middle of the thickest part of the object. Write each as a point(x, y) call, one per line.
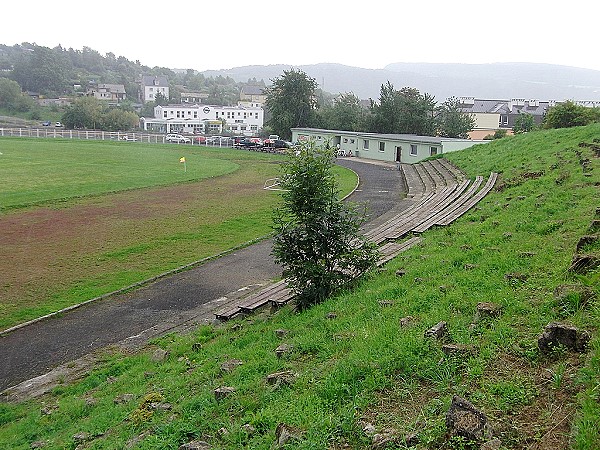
point(361, 365)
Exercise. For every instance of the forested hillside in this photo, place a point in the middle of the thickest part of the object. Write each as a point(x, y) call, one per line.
point(53, 72)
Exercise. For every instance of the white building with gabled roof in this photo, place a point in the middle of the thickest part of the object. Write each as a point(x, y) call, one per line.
point(151, 86)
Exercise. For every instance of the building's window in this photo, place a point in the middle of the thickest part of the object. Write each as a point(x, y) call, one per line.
point(195, 114)
point(254, 127)
point(366, 144)
point(243, 127)
point(256, 115)
point(413, 150)
point(433, 151)
point(382, 146)
point(151, 89)
point(164, 114)
point(352, 141)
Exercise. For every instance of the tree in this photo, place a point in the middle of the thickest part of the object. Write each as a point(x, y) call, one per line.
point(12, 98)
point(406, 111)
point(160, 99)
point(524, 123)
point(119, 120)
point(317, 235)
point(291, 102)
point(85, 112)
point(346, 113)
point(569, 114)
point(452, 121)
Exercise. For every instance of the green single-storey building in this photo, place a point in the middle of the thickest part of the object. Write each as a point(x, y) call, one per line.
point(404, 148)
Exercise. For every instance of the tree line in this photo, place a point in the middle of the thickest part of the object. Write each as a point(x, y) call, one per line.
point(293, 101)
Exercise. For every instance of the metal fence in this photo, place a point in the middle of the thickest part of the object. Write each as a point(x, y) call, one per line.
point(152, 138)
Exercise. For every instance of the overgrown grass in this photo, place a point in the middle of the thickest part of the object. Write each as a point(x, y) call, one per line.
point(359, 365)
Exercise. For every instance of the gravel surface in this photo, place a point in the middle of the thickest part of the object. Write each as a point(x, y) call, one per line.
point(174, 302)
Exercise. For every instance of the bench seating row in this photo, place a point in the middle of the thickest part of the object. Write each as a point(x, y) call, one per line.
point(440, 193)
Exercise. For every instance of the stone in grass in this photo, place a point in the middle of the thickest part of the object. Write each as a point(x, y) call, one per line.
point(223, 391)
point(285, 377)
point(559, 334)
point(38, 444)
point(159, 355)
point(281, 333)
point(123, 398)
point(331, 315)
point(248, 429)
point(195, 445)
point(400, 272)
point(406, 321)
point(439, 332)
point(493, 444)
point(487, 310)
point(230, 365)
point(286, 434)
point(283, 350)
point(583, 264)
point(458, 350)
point(386, 438)
point(385, 303)
point(463, 419)
point(79, 438)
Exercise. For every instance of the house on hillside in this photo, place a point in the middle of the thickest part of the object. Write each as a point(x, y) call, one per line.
point(151, 86)
point(113, 93)
point(253, 96)
point(404, 148)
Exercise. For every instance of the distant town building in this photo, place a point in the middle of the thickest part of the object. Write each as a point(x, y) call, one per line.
point(151, 86)
point(198, 118)
point(492, 115)
point(252, 96)
point(113, 93)
point(193, 97)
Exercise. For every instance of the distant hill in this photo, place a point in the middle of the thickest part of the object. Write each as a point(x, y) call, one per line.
point(493, 81)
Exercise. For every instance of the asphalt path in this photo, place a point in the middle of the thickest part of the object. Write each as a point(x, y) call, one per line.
point(187, 297)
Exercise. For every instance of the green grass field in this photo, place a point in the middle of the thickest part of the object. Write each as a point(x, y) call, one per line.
point(36, 171)
point(84, 218)
point(361, 367)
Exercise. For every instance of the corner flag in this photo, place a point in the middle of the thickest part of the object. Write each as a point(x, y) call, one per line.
point(182, 159)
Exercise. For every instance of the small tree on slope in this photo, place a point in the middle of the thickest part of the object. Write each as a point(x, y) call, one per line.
point(317, 234)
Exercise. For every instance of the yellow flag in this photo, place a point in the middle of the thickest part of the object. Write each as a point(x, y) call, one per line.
point(182, 159)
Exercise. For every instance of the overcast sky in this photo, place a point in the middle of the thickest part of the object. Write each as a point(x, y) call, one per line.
point(203, 35)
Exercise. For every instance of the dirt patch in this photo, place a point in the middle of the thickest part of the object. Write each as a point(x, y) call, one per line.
point(48, 250)
point(544, 420)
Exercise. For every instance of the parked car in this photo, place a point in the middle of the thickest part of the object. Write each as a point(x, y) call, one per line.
point(47, 123)
point(248, 143)
point(178, 138)
point(58, 125)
